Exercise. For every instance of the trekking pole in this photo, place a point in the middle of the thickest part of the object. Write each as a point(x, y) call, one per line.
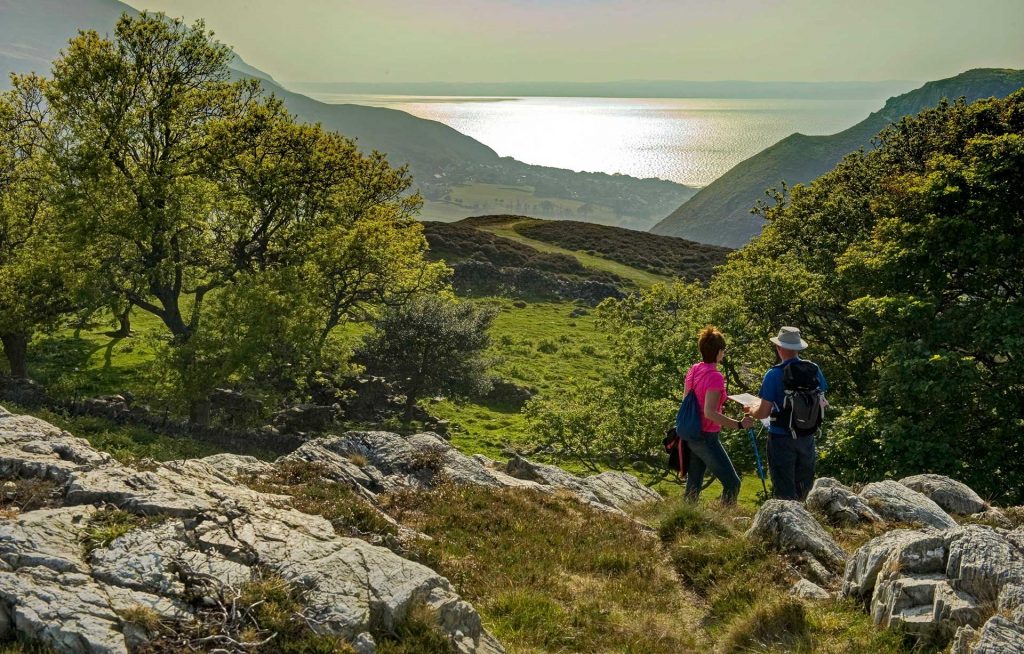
point(757, 459)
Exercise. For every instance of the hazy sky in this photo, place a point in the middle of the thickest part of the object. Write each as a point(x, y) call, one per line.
point(605, 40)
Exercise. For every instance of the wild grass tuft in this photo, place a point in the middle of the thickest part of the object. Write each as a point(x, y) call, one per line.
point(778, 625)
point(108, 524)
point(418, 633)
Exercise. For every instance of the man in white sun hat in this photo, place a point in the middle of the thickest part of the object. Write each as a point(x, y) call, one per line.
point(792, 395)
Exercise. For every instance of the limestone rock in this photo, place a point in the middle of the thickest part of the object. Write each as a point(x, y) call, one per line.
point(208, 531)
point(938, 584)
point(789, 527)
point(951, 495)
point(839, 503)
point(375, 462)
point(617, 490)
point(234, 467)
point(902, 549)
point(809, 590)
point(982, 561)
point(30, 447)
point(997, 636)
point(898, 503)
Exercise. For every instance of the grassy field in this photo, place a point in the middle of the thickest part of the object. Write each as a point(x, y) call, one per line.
point(639, 277)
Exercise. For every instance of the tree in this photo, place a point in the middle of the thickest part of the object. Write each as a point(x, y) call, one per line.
point(903, 265)
point(431, 345)
point(35, 276)
point(181, 184)
point(137, 115)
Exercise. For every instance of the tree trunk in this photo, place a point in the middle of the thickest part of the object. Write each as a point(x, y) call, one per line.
point(16, 348)
point(124, 320)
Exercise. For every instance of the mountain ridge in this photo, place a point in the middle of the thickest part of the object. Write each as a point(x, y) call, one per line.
point(719, 214)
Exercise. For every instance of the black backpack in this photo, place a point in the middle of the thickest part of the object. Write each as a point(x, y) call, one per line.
point(801, 412)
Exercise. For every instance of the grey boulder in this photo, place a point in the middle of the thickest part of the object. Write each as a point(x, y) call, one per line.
point(936, 584)
point(951, 495)
point(809, 590)
point(787, 526)
point(839, 504)
point(897, 503)
point(377, 461)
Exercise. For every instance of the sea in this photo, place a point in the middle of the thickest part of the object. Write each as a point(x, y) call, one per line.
point(691, 141)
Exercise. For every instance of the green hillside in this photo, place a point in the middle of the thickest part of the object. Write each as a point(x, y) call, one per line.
point(660, 255)
point(720, 212)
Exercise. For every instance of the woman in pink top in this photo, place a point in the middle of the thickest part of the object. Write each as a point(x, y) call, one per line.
point(706, 452)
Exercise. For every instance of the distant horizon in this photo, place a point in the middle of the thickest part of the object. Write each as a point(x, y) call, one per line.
point(637, 88)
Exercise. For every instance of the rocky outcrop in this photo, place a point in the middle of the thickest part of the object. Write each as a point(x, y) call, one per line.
point(933, 584)
point(898, 503)
point(839, 504)
point(202, 530)
point(951, 495)
point(788, 527)
point(195, 528)
point(375, 461)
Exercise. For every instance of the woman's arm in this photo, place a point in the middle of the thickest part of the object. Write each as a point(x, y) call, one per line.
point(710, 402)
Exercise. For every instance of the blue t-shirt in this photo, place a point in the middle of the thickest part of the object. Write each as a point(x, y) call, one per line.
point(773, 391)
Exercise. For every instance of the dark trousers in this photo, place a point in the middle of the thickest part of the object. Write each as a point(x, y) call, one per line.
point(707, 453)
point(791, 464)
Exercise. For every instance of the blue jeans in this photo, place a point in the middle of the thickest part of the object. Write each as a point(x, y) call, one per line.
point(791, 463)
point(707, 453)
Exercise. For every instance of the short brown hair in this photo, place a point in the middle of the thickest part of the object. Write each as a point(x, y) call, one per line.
point(710, 341)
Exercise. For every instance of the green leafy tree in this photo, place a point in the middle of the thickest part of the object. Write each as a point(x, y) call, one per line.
point(181, 185)
point(903, 266)
point(430, 345)
point(35, 274)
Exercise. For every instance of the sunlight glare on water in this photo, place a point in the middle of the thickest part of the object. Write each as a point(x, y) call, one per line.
point(691, 141)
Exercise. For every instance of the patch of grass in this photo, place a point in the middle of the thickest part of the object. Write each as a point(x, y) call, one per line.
point(418, 633)
point(745, 588)
point(108, 524)
point(143, 617)
point(779, 625)
point(688, 518)
point(25, 647)
point(550, 574)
